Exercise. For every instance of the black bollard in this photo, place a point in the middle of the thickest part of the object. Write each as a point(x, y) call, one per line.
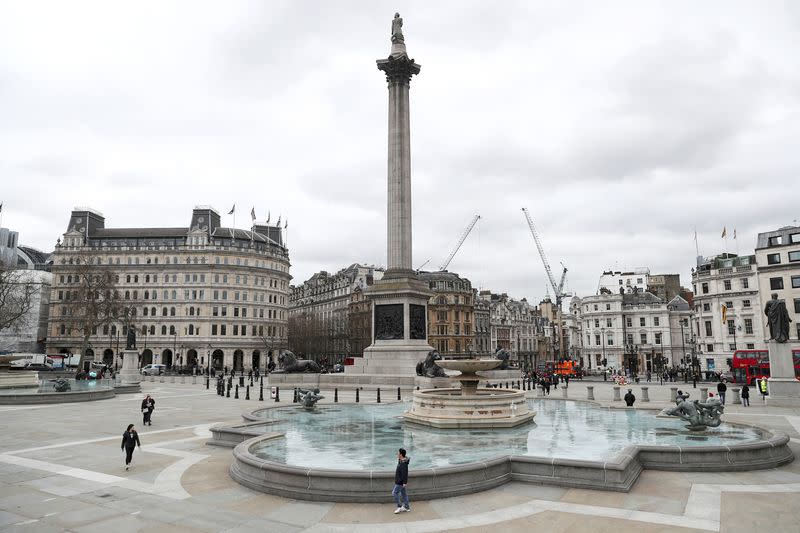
point(236, 393)
point(294, 397)
point(417, 387)
point(261, 394)
point(229, 390)
point(356, 394)
point(208, 383)
point(379, 395)
point(519, 385)
point(277, 394)
point(336, 395)
point(398, 393)
point(247, 393)
point(241, 380)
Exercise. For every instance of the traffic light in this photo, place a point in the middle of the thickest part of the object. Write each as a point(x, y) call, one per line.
point(605, 362)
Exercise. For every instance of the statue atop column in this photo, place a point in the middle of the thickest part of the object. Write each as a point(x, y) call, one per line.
point(398, 41)
point(778, 319)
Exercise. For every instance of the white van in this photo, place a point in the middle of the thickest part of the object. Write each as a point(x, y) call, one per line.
point(21, 360)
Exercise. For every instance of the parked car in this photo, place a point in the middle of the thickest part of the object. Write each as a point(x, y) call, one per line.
point(154, 370)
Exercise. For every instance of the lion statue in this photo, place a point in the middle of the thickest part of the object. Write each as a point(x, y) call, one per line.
point(503, 355)
point(61, 385)
point(289, 363)
point(428, 368)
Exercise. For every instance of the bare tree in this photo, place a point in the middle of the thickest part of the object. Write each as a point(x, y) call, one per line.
point(95, 302)
point(18, 291)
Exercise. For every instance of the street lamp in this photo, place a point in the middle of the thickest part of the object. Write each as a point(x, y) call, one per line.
point(603, 342)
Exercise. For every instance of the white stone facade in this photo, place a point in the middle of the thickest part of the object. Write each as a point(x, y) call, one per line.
point(778, 259)
point(629, 280)
point(730, 282)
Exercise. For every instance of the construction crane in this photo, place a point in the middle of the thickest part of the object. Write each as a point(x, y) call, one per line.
point(461, 240)
point(423, 264)
point(558, 289)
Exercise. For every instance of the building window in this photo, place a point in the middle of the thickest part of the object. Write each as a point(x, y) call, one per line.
point(748, 326)
point(709, 347)
point(629, 338)
point(705, 288)
point(706, 307)
point(222, 329)
point(751, 346)
point(794, 238)
point(629, 323)
point(656, 321)
point(773, 259)
point(658, 338)
point(796, 282)
point(610, 340)
point(729, 305)
point(642, 321)
point(797, 305)
point(597, 340)
point(775, 241)
point(708, 328)
point(608, 322)
point(731, 327)
point(794, 256)
point(731, 346)
point(775, 283)
point(595, 307)
point(745, 303)
point(608, 307)
point(597, 322)
point(745, 283)
point(727, 284)
point(643, 338)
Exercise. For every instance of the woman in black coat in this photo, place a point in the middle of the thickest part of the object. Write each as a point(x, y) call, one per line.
point(148, 405)
point(129, 441)
point(745, 395)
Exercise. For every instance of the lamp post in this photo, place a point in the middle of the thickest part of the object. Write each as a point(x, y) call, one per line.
point(603, 342)
point(175, 344)
point(208, 360)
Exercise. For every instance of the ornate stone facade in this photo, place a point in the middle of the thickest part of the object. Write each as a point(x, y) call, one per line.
point(451, 326)
point(201, 294)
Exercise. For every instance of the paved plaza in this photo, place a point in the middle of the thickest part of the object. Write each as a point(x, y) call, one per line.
point(61, 469)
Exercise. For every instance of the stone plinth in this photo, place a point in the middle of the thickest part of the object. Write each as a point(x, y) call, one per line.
point(784, 389)
point(19, 379)
point(129, 374)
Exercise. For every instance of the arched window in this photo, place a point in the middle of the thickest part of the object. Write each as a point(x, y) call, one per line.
point(113, 329)
point(171, 311)
point(172, 330)
point(164, 311)
point(163, 330)
point(144, 330)
point(191, 311)
point(128, 278)
point(166, 295)
point(191, 329)
point(136, 277)
point(153, 311)
point(174, 295)
point(127, 295)
point(144, 312)
point(152, 330)
point(147, 277)
point(135, 295)
point(146, 295)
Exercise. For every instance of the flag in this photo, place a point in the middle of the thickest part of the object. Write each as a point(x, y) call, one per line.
point(268, 215)
point(1, 207)
point(232, 209)
point(734, 233)
point(724, 314)
point(286, 224)
point(253, 214)
point(724, 232)
point(279, 222)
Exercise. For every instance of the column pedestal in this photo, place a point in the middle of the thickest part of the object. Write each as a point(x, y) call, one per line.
point(784, 389)
point(129, 375)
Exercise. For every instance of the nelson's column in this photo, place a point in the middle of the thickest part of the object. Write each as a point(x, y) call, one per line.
point(399, 300)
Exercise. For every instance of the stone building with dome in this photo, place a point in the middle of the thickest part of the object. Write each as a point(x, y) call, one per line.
point(200, 295)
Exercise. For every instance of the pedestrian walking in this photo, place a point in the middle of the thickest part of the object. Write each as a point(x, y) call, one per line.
point(745, 395)
point(566, 382)
point(148, 405)
point(721, 390)
point(400, 482)
point(130, 439)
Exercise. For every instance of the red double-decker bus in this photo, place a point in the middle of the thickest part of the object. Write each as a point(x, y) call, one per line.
point(750, 365)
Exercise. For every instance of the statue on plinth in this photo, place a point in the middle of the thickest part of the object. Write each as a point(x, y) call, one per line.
point(428, 368)
point(398, 41)
point(61, 385)
point(289, 363)
point(309, 398)
point(778, 319)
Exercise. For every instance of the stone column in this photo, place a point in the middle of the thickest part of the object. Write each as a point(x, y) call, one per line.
point(398, 76)
point(673, 393)
point(645, 394)
point(129, 374)
point(784, 389)
point(617, 397)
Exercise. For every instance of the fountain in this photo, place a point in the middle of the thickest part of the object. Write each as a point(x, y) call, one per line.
point(469, 407)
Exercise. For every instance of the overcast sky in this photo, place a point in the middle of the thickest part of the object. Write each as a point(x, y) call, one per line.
point(622, 126)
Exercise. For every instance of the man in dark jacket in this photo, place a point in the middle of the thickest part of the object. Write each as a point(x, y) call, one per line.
point(400, 482)
point(721, 390)
point(129, 441)
point(629, 398)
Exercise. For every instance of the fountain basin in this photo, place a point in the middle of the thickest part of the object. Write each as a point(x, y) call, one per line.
point(484, 408)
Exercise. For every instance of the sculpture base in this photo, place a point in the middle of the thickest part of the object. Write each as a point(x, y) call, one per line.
point(784, 389)
point(488, 408)
point(129, 374)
